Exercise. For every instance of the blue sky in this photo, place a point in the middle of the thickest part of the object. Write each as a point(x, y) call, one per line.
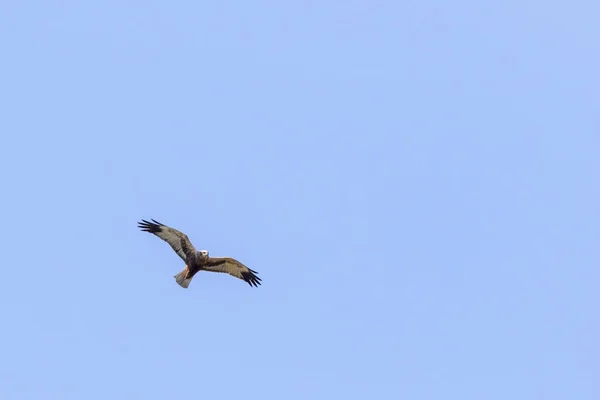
point(415, 182)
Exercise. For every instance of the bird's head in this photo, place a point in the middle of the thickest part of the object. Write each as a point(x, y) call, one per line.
point(203, 253)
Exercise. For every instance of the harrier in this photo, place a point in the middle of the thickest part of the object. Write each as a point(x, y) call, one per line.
point(197, 260)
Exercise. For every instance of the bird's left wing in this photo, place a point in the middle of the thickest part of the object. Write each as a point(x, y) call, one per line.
point(176, 239)
point(232, 267)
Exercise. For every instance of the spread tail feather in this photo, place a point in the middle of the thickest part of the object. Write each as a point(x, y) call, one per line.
point(181, 278)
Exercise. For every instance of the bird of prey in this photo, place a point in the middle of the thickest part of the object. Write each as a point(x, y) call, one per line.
point(197, 260)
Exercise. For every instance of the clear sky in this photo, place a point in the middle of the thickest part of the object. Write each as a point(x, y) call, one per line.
point(415, 182)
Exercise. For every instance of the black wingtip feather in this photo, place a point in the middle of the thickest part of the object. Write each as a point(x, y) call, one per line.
point(251, 278)
point(149, 226)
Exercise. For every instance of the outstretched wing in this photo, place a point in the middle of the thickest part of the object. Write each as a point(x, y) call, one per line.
point(232, 267)
point(177, 240)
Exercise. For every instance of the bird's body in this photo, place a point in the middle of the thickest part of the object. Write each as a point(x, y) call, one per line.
point(195, 260)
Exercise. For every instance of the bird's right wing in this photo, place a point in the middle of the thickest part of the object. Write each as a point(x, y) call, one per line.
point(232, 267)
point(177, 240)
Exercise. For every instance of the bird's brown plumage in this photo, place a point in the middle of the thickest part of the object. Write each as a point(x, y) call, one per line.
point(197, 260)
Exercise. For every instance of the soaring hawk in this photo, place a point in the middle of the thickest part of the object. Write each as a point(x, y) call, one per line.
point(197, 260)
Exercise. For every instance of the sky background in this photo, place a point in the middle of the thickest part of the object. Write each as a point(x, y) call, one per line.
point(415, 182)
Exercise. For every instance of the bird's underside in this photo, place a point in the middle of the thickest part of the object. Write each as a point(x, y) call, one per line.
point(196, 261)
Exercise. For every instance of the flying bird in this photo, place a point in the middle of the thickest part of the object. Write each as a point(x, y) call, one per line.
point(197, 260)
